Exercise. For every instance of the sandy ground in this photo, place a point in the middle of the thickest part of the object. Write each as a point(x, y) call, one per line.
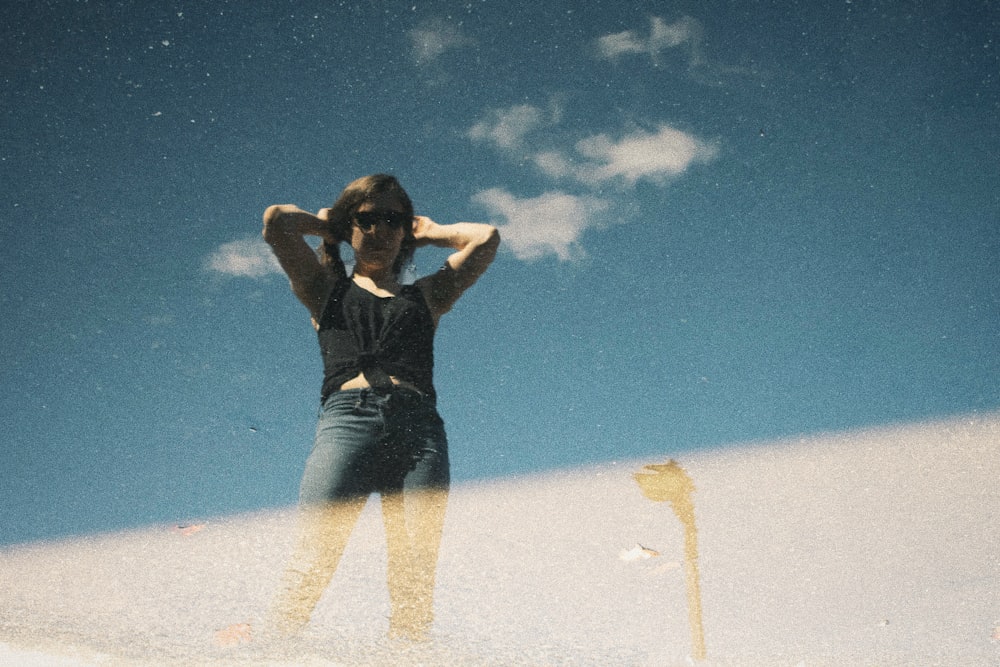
point(879, 547)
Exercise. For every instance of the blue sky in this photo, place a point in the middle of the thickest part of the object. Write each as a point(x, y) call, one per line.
point(723, 223)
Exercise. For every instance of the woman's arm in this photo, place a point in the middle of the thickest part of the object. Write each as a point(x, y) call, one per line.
point(285, 229)
point(475, 247)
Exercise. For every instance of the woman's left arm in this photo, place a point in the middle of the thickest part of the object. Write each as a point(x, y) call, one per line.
point(475, 246)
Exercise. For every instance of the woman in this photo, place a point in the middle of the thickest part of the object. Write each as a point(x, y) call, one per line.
point(379, 430)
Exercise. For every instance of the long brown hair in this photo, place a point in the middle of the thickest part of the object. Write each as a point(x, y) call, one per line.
point(364, 190)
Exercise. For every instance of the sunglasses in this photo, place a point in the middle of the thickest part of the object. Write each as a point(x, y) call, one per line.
point(366, 220)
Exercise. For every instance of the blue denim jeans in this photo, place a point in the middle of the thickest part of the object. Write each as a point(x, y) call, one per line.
point(368, 442)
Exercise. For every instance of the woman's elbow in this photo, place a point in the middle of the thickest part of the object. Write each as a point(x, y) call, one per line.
point(272, 222)
point(486, 247)
point(492, 238)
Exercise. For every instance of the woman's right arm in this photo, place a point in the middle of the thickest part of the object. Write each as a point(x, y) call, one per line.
point(285, 229)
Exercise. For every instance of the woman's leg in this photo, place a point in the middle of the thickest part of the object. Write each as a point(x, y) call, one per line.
point(335, 486)
point(324, 531)
point(414, 512)
point(414, 524)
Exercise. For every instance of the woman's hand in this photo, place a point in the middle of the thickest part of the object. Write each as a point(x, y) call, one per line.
point(335, 233)
point(423, 230)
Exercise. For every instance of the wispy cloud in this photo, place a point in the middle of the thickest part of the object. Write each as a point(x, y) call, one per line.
point(248, 258)
point(686, 32)
point(554, 222)
point(550, 224)
point(596, 160)
point(434, 37)
point(653, 156)
point(507, 128)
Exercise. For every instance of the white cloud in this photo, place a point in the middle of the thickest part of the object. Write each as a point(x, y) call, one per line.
point(605, 164)
point(667, 36)
point(433, 38)
point(612, 46)
point(553, 223)
point(554, 164)
point(653, 156)
point(642, 155)
point(595, 160)
point(662, 35)
point(550, 224)
point(507, 128)
point(249, 258)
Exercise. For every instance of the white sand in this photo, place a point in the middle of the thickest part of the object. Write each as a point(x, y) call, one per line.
point(872, 548)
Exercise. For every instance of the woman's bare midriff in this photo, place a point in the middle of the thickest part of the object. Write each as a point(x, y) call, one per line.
point(360, 382)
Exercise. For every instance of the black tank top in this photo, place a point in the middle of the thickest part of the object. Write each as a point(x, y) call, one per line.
point(360, 332)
